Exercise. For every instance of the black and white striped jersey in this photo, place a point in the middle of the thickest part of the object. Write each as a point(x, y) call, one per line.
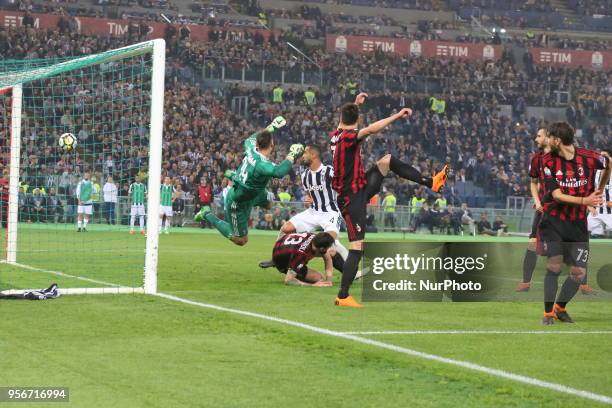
point(607, 195)
point(319, 185)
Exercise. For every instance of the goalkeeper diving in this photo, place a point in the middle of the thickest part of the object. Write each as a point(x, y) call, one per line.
point(250, 182)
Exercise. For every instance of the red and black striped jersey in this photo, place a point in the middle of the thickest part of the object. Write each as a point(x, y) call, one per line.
point(349, 176)
point(535, 172)
point(293, 251)
point(575, 177)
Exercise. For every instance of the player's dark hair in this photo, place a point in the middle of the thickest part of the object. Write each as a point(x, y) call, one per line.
point(323, 240)
point(349, 114)
point(264, 139)
point(563, 131)
point(315, 149)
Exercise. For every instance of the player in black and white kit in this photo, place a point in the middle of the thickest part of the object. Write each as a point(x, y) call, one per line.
point(323, 211)
point(600, 218)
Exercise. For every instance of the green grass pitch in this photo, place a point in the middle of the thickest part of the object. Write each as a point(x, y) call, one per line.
point(145, 351)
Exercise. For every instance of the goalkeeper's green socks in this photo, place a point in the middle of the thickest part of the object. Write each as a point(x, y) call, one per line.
point(222, 226)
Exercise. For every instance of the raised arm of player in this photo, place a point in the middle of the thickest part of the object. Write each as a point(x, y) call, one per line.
point(383, 123)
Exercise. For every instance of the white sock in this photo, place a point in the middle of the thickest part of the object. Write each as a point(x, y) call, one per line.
point(79, 223)
point(85, 223)
point(167, 224)
point(132, 220)
point(341, 250)
point(141, 221)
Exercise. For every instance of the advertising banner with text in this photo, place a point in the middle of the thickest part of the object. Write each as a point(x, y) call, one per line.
point(572, 58)
point(401, 46)
point(105, 26)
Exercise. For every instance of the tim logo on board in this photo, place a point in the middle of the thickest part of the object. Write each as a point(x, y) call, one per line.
point(597, 60)
point(416, 49)
point(341, 43)
point(488, 52)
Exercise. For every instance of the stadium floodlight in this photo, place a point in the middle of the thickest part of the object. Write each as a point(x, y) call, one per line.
point(112, 102)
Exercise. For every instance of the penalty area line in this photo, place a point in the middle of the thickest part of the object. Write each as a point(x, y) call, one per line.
point(403, 350)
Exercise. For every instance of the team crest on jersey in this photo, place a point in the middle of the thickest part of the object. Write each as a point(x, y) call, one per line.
point(547, 171)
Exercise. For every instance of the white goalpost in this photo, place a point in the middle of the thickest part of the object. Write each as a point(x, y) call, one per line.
point(115, 101)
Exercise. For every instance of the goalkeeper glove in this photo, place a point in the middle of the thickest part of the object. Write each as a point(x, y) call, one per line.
point(295, 152)
point(277, 123)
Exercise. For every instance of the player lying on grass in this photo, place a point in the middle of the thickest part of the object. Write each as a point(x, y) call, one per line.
point(292, 253)
point(569, 175)
point(320, 199)
point(51, 292)
point(355, 187)
point(249, 184)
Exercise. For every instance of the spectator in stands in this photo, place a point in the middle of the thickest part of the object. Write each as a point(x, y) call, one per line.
point(55, 207)
point(37, 207)
point(484, 226)
point(500, 226)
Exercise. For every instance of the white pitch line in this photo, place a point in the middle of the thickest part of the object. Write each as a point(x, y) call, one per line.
point(65, 275)
point(393, 332)
point(404, 350)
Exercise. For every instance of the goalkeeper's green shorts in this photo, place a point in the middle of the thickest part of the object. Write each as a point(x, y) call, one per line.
point(238, 213)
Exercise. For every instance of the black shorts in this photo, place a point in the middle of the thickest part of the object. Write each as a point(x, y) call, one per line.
point(537, 217)
point(282, 264)
point(354, 212)
point(567, 238)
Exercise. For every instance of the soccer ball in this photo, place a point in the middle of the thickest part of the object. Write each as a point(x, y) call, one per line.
point(67, 141)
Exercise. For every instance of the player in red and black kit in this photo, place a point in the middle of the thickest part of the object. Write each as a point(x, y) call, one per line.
point(536, 187)
point(294, 251)
point(568, 172)
point(355, 187)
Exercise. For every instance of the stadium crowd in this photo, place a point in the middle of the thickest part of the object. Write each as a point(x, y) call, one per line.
point(203, 135)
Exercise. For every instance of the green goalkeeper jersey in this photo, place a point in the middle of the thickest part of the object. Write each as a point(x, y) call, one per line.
point(85, 191)
point(137, 193)
point(255, 172)
point(166, 193)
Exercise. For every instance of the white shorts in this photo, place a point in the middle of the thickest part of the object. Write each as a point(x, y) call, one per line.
point(310, 219)
point(137, 209)
point(85, 209)
point(165, 210)
point(597, 224)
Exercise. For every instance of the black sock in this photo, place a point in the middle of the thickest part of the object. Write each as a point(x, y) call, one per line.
point(568, 291)
point(551, 284)
point(349, 271)
point(404, 170)
point(529, 263)
point(338, 262)
point(375, 180)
